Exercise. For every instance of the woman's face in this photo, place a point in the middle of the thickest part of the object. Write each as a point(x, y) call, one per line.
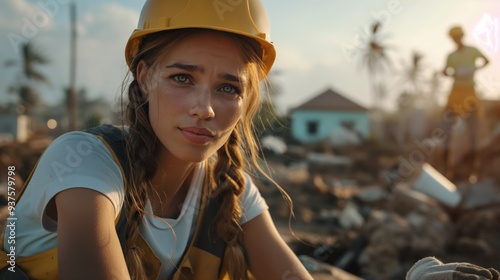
point(196, 94)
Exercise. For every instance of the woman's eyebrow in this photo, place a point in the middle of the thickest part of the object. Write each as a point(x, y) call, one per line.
point(187, 67)
point(196, 68)
point(230, 77)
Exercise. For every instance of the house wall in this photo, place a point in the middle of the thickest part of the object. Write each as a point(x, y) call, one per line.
point(13, 127)
point(327, 122)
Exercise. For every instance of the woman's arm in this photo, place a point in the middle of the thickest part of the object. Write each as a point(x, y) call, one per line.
point(268, 255)
point(485, 61)
point(88, 246)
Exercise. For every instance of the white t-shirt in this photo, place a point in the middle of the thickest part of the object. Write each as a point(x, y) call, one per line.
point(79, 159)
point(463, 62)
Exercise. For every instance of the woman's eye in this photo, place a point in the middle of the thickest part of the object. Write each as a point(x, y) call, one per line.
point(184, 79)
point(230, 89)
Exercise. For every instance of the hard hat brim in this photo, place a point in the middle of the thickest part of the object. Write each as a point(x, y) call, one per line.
point(268, 51)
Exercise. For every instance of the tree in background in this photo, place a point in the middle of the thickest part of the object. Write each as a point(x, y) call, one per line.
point(374, 57)
point(91, 111)
point(410, 85)
point(267, 120)
point(419, 93)
point(413, 74)
point(29, 77)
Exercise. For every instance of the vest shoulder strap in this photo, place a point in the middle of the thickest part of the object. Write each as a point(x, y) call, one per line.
point(114, 137)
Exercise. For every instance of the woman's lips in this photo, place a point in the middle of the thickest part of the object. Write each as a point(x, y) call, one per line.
point(197, 135)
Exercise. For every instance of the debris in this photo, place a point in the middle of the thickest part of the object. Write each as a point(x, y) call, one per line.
point(274, 144)
point(372, 194)
point(434, 184)
point(328, 159)
point(321, 270)
point(350, 224)
point(350, 217)
point(481, 194)
point(343, 137)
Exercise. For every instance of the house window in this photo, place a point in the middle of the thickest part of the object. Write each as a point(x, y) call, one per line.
point(312, 127)
point(348, 125)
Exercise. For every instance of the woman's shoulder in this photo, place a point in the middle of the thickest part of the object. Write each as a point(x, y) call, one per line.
point(85, 143)
point(252, 202)
point(83, 154)
point(81, 141)
point(76, 159)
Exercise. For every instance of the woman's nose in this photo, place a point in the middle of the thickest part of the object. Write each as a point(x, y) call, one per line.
point(202, 104)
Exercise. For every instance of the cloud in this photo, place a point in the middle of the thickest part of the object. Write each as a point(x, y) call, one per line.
point(109, 21)
point(289, 57)
point(103, 30)
point(26, 19)
point(21, 22)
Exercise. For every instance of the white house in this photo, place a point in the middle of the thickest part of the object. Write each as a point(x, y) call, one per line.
point(14, 127)
point(329, 115)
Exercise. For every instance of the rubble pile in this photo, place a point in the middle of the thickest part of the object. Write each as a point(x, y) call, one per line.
point(372, 229)
point(22, 156)
point(353, 220)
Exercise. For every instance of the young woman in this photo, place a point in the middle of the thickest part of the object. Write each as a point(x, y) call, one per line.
point(178, 185)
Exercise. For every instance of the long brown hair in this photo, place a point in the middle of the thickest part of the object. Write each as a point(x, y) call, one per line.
point(225, 173)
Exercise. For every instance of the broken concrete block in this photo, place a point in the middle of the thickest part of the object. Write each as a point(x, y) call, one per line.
point(372, 194)
point(435, 185)
point(404, 201)
point(350, 217)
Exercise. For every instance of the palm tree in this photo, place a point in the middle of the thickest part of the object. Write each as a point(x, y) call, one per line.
point(411, 79)
point(28, 77)
point(374, 53)
point(434, 89)
point(375, 58)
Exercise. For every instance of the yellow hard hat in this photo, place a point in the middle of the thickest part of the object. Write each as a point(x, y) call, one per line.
point(243, 17)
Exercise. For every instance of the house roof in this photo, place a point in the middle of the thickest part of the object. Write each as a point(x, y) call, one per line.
point(330, 100)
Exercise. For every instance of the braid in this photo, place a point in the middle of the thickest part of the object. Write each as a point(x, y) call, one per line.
point(229, 169)
point(141, 151)
point(225, 174)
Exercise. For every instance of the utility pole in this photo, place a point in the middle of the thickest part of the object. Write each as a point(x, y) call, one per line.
point(72, 71)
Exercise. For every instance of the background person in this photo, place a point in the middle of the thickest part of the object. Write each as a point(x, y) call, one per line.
point(463, 102)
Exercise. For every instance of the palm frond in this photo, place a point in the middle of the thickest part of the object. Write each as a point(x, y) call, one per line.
point(375, 27)
point(37, 76)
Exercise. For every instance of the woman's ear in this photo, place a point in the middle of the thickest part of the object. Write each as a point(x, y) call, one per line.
point(142, 74)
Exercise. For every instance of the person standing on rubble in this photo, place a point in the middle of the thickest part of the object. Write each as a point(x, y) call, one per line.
point(169, 196)
point(463, 102)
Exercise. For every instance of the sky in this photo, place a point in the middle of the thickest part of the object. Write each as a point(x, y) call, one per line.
point(318, 43)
